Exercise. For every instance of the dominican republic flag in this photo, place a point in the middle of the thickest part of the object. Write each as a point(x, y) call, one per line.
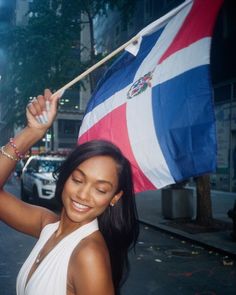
point(155, 102)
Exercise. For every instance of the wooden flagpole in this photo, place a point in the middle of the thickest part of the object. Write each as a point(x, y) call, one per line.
point(92, 68)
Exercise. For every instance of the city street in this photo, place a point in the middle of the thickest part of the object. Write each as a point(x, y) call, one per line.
point(161, 265)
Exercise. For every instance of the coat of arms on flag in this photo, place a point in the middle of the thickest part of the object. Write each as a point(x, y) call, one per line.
point(140, 85)
point(156, 105)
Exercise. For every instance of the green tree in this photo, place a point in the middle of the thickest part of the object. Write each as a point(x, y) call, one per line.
point(46, 52)
point(94, 8)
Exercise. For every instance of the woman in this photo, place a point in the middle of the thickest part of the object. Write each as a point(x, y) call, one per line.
point(84, 250)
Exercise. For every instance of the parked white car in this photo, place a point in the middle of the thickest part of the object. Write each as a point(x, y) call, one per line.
point(37, 181)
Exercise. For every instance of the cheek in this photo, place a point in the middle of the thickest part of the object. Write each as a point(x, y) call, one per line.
point(102, 201)
point(63, 196)
point(66, 190)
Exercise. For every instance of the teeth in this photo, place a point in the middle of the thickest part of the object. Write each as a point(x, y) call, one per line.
point(80, 206)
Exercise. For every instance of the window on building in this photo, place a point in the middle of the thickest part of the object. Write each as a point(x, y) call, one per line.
point(63, 145)
point(234, 91)
point(68, 128)
point(222, 93)
point(70, 101)
point(228, 19)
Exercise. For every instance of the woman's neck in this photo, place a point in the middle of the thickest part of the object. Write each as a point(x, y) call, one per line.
point(66, 225)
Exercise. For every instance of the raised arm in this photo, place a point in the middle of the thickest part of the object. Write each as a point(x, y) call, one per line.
point(22, 216)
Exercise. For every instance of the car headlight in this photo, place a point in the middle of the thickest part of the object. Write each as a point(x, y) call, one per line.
point(47, 181)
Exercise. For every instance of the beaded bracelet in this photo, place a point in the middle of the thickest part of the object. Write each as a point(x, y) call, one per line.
point(13, 145)
point(4, 153)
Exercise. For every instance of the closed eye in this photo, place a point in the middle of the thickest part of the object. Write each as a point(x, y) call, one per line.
point(76, 180)
point(101, 191)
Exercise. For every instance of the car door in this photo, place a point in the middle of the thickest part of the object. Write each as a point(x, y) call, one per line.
point(29, 175)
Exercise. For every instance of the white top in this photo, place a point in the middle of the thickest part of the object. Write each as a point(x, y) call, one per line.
point(50, 277)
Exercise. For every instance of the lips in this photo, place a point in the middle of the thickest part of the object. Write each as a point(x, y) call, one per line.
point(80, 207)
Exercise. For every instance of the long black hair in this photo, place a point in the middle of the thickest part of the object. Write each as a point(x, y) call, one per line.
point(119, 224)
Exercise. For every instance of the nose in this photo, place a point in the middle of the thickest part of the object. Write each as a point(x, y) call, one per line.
point(83, 192)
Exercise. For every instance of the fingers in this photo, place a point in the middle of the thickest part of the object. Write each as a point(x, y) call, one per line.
point(48, 99)
point(47, 94)
point(44, 107)
point(37, 108)
point(54, 99)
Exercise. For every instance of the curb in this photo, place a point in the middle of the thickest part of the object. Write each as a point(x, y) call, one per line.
point(182, 235)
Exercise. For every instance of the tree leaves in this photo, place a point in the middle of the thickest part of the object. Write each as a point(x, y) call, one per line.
point(45, 53)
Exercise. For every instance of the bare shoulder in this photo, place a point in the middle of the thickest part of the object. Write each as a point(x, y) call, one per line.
point(90, 262)
point(91, 250)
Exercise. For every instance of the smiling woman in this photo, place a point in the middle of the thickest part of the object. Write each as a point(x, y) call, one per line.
point(98, 179)
point(84, 250)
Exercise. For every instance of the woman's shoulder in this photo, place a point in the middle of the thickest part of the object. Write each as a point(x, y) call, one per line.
point(90, 252)
point(90, 262)
point(92, 247)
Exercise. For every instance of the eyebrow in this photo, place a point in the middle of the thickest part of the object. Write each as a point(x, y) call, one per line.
point(99, 180)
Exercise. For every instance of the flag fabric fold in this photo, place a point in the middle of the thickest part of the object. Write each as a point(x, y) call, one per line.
point(156, 105)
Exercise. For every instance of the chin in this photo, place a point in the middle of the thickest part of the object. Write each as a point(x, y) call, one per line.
point(80, 217)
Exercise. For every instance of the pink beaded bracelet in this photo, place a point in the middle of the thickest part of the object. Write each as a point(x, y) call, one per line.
point(13, 145)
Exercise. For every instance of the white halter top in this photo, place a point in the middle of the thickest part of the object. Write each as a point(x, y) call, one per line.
point(50, 277)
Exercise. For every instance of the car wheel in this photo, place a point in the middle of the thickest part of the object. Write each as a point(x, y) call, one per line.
point(35, 196)
point(23, 194)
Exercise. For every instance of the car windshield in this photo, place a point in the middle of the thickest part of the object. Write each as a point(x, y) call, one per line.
point(48, 165)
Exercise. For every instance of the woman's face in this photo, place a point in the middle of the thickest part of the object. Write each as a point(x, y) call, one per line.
point(90, 189)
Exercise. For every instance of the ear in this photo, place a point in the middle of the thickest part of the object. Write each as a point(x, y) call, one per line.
point(116, 198)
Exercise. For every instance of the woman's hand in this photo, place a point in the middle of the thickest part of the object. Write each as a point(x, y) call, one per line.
point(40, 115)
point(41, 111)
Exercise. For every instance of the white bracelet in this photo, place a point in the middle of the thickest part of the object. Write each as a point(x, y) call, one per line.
point(8, 155)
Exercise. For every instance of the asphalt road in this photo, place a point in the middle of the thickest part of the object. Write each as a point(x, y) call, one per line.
point(161, 265)
point(164, 265)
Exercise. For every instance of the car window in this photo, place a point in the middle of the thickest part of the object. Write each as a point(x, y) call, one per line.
point(32, 165)
point(48, 166)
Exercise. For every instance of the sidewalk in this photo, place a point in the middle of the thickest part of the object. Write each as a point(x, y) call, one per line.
point(150, 212)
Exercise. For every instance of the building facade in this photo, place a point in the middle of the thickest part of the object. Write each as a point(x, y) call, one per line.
point(223, 63)
point(225, 112)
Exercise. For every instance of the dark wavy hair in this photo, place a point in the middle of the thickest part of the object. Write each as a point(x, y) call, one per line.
point(119, 224)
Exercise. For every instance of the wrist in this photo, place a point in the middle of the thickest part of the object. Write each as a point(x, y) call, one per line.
point(35, 134)
point(18, 146)
point(28, 137)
